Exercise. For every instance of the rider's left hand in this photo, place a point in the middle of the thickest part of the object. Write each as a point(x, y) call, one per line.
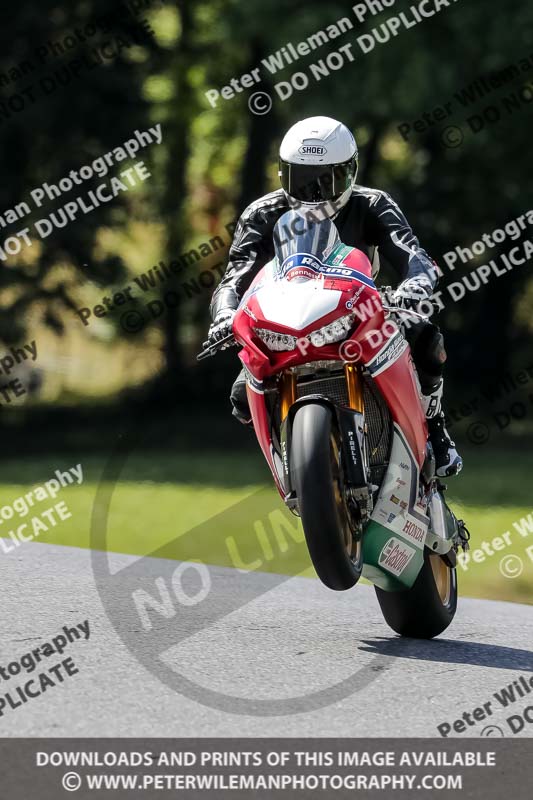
point(413, 291)
point(221, 328)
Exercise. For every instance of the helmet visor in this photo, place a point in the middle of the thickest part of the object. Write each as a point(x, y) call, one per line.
point(316, 183)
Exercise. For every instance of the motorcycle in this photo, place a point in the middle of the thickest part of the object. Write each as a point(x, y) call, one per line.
point(335, 404)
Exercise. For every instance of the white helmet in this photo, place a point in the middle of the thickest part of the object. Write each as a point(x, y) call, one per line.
point(318, 162)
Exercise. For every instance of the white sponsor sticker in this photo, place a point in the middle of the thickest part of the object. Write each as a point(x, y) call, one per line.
point(395, 556)
point(415, 530)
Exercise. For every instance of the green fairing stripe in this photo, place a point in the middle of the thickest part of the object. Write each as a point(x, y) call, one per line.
point(375, 539)
point(338, 254)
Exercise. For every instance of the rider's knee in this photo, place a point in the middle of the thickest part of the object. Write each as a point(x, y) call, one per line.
point(429, 354)
point(238, 396)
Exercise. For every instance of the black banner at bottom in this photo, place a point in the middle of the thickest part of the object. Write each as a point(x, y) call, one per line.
point(47, 769)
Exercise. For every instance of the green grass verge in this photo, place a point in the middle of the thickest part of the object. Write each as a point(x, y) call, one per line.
point(221, 508)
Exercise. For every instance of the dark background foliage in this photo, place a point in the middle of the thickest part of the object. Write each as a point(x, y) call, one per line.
point(213, 162)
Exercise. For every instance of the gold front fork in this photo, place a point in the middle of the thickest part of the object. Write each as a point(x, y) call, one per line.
point(354, 383)
point(287, 391)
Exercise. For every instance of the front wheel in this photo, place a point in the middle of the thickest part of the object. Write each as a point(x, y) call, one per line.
point(428, 607)
point(317, 477)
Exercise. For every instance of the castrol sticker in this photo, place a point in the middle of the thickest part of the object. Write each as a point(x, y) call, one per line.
point(395, 556)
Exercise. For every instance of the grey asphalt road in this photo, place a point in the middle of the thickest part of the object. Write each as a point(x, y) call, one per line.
point(295, 639)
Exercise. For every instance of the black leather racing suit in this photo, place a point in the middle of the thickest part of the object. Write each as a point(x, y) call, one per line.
point(369, 220)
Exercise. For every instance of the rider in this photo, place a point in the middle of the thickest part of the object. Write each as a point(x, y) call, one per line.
point(318, 167)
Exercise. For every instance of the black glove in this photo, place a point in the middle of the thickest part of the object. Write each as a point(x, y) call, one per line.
point(221, 328)
point(412, 291)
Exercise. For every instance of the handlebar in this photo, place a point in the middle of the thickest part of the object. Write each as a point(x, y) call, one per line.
point(385, 292)
point(211, 349)
point(398, 310)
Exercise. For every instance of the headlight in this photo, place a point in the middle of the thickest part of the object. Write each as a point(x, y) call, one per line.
point(333, 332)
point(276, 341)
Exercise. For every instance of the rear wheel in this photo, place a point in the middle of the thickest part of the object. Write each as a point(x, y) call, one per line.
point(425, 610)
point(317, 477)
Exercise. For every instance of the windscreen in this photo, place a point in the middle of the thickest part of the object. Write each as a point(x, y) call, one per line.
point(302, 243)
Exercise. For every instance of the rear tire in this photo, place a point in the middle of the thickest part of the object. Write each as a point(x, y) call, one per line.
point(425, 610)
point(316, 473)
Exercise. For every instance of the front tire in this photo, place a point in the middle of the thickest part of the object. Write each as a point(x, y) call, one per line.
point(425, 610)
point(317, 477)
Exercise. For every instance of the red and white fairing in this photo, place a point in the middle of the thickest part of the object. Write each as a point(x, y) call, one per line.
point(301, 302)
